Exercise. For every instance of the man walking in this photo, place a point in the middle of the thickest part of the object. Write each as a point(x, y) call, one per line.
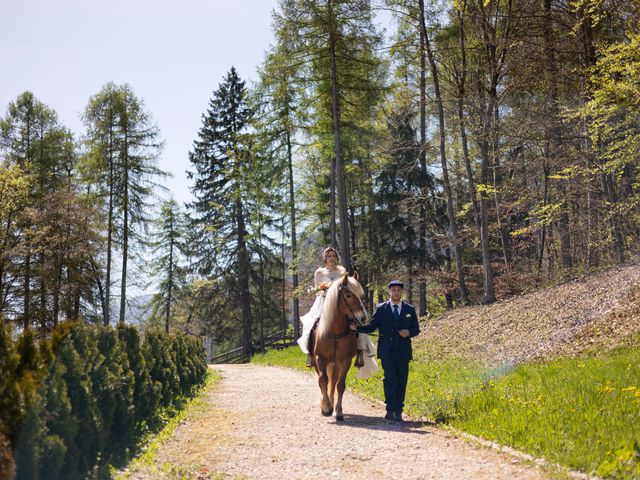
point(397, 322)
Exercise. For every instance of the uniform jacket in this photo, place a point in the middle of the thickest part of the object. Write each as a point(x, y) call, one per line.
point(389, 339)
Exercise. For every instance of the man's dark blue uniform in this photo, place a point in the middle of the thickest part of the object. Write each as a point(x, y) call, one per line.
point(394, 350)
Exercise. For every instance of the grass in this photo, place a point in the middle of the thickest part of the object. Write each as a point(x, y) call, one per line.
point(171, 419)
point(582, 412)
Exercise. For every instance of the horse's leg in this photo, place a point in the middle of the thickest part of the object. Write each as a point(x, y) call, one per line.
point(326, 407)
point(341, 385)
point(331, 375)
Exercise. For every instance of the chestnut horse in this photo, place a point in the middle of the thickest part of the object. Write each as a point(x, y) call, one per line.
point(335, 342)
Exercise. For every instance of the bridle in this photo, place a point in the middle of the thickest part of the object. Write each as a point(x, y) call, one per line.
point(347, 330)
point(344, 299)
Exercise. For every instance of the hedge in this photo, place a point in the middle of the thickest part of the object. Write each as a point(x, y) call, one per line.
point(74, 404)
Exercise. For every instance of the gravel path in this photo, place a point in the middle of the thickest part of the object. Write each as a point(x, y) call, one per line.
point(264, 423)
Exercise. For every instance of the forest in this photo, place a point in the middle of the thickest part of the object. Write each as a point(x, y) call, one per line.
point(475, 149)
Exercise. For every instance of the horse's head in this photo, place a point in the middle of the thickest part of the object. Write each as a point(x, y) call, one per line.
point(350, 299)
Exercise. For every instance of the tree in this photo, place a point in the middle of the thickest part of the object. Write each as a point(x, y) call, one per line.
point(99, 169)
point(34, 142)
point(221, 158)
point(167, 251)
point(276, 122)
point(124, 147)
point(333, 45)
point(615, 133)
point(140, 150)
point(453, 229)
point(14, 192)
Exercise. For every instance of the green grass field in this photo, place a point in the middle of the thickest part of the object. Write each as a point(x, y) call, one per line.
point(583, 413)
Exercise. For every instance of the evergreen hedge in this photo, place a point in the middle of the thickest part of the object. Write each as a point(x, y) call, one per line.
point(79, 401)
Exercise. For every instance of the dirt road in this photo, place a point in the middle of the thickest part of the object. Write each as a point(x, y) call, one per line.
point(264, 423)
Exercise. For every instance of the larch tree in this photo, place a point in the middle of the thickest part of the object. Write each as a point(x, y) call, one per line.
point(278, 101)
point(121, 165)
point(333, 45)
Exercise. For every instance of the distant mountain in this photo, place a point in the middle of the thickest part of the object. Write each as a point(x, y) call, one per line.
point(136, 310)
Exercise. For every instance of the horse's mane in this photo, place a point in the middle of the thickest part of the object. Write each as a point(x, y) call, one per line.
point(330, 306)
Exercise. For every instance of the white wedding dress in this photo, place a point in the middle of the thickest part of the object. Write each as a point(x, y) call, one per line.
point(323, 275)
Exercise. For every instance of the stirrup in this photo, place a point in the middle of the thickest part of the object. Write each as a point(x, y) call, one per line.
point(359, 363)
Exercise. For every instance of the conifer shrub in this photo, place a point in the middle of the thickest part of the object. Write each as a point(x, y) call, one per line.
point(160, 358)
point(146, 394)
point(11, 413)
point(7, 464)
point(73, 404)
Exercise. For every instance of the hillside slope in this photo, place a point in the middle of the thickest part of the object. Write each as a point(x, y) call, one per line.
point(600, 311)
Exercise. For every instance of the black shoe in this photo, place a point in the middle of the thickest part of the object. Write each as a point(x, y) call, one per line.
point(389, 416)
point(309, 360)
point(398, 417)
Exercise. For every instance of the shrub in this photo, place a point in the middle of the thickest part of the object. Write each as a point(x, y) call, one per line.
point(7, 465)
point(76, 403)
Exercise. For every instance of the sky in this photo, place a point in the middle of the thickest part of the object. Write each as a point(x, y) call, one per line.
point(172, 53)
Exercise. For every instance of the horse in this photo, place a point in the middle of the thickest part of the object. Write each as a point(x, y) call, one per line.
point(335, 343)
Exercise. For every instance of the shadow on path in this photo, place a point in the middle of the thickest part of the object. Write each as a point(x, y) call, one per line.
point(379, 423)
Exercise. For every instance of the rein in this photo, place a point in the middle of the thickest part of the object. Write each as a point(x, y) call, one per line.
point(347, 330)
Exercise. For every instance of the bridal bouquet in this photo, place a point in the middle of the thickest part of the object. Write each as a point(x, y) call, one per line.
point(321, 289)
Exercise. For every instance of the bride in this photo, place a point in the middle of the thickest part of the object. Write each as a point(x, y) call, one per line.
point(323, 278)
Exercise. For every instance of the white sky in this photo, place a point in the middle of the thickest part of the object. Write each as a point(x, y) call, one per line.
point(172, 53)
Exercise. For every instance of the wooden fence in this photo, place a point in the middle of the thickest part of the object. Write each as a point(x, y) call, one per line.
point(277, 340)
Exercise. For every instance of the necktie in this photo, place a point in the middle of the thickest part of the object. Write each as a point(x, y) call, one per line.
point(396, 314)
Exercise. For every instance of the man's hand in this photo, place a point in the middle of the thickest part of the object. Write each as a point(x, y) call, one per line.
point(353, 326)
point(404, 333)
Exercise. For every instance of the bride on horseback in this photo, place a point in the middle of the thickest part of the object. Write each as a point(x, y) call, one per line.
point(323, 277)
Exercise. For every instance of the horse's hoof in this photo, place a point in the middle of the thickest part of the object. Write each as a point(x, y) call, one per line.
point(328, 413)
point(339, 418)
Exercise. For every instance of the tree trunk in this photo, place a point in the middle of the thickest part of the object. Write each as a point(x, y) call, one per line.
point(107, 294)
point(340, 180)
point(56, 294)
point(125, 226)
point(43, 297)
point(544, 225)
point(262, 302)
point(453, 229)
point(614, 219)
point(27, 261)
point(332, 203)
point(294, 242)
point(494, 64)
point(27, 290)
point(170, 286)
point(95, 270)
point(462, 124)
point(243, 279)
point(556, 136)
point(283, 257)
point(489, 295)
point(422, 260)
